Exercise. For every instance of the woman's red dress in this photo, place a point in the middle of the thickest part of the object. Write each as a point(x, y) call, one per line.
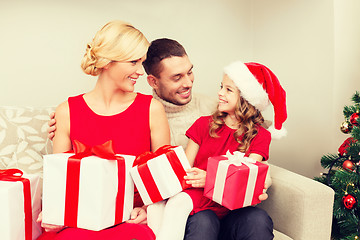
point(130, 133)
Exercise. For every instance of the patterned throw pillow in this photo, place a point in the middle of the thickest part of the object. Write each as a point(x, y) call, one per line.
point(23, 138)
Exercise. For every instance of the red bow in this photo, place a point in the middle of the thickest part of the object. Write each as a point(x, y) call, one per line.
point(15, 175)
point(146, 156)
point(11, 174)
point(81, 150)
point(104, 150)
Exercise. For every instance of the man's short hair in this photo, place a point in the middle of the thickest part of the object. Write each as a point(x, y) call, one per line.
point(160, 49)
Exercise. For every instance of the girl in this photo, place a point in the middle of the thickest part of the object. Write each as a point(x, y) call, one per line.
point(236, 126)
point(112, 111)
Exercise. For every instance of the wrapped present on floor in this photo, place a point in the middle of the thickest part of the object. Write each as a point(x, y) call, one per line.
point(235, 181)
point(91, 189)
point(20, 205)
point(160, 175)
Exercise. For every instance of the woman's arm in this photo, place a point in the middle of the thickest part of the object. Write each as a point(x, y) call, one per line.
point(159, 126)
point(160, 136)
point(61, 140)
point(61, 143)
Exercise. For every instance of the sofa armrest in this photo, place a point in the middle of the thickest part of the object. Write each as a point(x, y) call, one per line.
point(300, 207)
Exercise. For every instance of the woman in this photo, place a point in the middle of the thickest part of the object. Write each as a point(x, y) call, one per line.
point(112, 111)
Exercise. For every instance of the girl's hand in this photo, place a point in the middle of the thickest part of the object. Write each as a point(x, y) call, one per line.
point(264, 195)
point(138, 215)
point(49, 227)
point(196, 178)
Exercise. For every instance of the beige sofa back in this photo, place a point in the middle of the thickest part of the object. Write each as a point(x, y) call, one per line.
point(23, 138)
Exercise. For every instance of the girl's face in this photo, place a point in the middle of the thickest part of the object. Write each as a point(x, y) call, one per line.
point(125, 74)
point(228, 96)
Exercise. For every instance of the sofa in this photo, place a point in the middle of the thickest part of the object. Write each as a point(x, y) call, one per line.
point(301, 208)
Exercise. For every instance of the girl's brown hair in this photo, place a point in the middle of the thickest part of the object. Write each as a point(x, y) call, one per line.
point(249, 119)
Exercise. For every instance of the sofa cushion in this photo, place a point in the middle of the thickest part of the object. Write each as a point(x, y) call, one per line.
point(23, 138)
point(280, 236)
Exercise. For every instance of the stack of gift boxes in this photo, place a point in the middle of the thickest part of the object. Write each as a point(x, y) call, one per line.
point(93, 188)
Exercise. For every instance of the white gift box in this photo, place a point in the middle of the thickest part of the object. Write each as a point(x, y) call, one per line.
point(164, 181)
point(98, 188)
point(12, 224)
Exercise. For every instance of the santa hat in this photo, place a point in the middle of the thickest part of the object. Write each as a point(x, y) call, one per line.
point(259, 86)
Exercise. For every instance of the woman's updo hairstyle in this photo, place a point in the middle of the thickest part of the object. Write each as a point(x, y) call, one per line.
point(116, 41)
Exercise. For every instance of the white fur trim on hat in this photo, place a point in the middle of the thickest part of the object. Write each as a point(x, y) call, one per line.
point(277, 134)
point(249, 87)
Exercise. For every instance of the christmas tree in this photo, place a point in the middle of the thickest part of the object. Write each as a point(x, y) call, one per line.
point(344, 176)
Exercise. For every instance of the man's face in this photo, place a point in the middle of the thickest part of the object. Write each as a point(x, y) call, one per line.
point(175, 80)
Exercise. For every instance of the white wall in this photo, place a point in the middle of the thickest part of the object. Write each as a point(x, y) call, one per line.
point(312, 46)
point(43, 41)
point(347, 59)
point(296, 40)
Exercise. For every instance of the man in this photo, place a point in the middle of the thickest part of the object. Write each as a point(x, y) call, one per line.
point(170, 74)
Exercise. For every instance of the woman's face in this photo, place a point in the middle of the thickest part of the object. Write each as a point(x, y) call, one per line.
point(124, 74)
point(228, 96)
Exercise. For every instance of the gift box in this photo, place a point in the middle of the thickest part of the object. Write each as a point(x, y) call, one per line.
point(91, 189)
point(20, 205)
point(160, 175)
point(235, 181)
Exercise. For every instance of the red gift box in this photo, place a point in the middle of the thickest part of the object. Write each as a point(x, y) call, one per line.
point(235, 181)
point(160, 175)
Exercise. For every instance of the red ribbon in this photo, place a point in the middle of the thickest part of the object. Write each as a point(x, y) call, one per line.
point(146, 176)
point(73, 179)
point(146, 156)
point(15, 175)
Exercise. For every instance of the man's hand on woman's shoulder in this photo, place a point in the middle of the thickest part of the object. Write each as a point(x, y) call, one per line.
point(52, 126)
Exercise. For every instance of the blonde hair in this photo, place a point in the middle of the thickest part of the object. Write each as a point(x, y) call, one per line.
point(116, 41)
point(249, 119)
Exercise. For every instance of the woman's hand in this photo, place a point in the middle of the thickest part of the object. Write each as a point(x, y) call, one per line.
point(138, 215)
point(196, 177)
point(49, 227)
